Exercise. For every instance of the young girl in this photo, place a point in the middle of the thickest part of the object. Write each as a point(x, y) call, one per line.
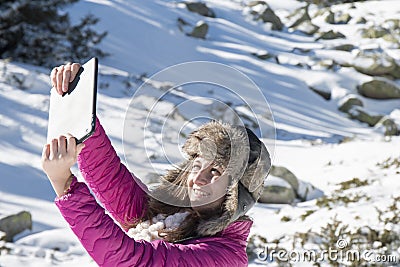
point(221, 180)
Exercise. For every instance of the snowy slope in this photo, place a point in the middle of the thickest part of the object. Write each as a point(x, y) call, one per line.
point(143, 38)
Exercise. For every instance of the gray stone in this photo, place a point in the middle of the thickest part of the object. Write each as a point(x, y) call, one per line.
point(382, 64)
point(388, 125)
point(285, 174)
point(301, 16)
point(307, 27)
point(200, 8)
point(344, 47)
point(379, 88)
point(200, 30)
point(360, 114)
point(343, 18)
point(374, 32)
point(268, 15)
point(330, 35)
point(361, 20)
point(14, 224)
point(324, 93)
point(349, 102)
point(330, 18)
point(263, 55)
point(277, 191)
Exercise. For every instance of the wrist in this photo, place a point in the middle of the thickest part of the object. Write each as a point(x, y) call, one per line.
point(61, 187)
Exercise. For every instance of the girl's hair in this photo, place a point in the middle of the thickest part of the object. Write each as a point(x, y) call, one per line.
point(174, 186)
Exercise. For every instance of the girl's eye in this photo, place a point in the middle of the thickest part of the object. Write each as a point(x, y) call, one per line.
point(215, 172)
point(195, 168)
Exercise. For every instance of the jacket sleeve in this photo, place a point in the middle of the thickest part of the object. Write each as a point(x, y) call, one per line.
point(108, 244)
point(115, 187)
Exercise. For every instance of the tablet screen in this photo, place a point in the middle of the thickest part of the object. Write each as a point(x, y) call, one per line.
point(75, 111)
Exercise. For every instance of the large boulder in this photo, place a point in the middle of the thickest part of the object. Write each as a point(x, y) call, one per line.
point(285, 174)
point(14, 224)
point(375, 64)
point(277, 191)
point(379, 88)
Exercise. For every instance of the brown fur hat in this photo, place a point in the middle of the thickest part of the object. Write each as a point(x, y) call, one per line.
point(245, 159)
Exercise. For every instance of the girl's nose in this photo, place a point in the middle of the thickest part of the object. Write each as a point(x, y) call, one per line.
point(201, 177)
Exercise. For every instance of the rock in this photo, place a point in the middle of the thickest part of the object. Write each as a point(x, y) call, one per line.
point(285, 174)
point(358, 113)
point(182, 24)
point(330, 35)
point(2, 236)
point(324, 93)
point(388, 126)
point(379, 88)
point(308, 191)
point(263, 55)
point(15, 224)
point(361, 20)
point(343, 18)
point(256, 3)
point(330, 18)
point(374, 64)
point(395, 73)
point(348, 102)
point(200, 30)
point(307, 27)
point(277, 191)
point(200, 8)
point(301, 15)
point(344, 47)
point(269, 16)
point(374, 32)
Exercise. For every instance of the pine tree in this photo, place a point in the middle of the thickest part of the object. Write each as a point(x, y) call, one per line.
point(38, 32)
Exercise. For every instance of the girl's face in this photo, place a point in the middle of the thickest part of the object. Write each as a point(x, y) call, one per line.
point(207, 185)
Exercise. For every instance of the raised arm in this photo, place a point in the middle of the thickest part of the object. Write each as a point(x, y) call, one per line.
point(109, 179)
point(108, 245)
point(114, 186)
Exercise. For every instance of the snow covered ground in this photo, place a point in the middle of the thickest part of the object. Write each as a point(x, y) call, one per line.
point(313, 139)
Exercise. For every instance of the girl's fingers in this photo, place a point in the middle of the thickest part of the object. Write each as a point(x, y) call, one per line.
point(53, 149)
point(59, 79)
point(71, 145)
point(53, 77)
point(74, 70)
point(46, 152)
point(66, 77)
point(62, 145)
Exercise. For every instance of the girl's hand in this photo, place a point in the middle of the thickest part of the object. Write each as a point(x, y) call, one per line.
point(57, 159)
point(61, 76)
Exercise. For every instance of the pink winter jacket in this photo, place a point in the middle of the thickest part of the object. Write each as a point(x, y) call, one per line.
point(118, 191)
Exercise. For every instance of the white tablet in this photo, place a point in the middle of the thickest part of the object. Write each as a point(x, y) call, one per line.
point(75, 111)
